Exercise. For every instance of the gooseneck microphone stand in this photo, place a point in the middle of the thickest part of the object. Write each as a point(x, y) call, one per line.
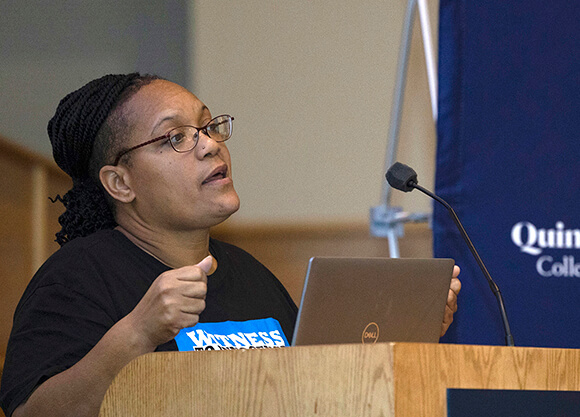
point(494, 288)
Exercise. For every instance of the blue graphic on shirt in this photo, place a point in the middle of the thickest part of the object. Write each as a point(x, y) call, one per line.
point(251, 334)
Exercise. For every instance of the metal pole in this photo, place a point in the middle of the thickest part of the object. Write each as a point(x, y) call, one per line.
point(398, 96)
point(429, 55)
point(387, 221)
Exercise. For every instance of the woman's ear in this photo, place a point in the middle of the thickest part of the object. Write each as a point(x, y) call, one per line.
point(117, 182)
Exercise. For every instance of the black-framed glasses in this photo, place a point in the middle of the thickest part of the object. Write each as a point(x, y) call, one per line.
point(185, 138)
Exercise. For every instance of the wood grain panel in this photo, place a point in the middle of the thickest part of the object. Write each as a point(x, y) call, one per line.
point(430, 369)
point(385, 379)
point(329, 381)
point(15, 238)
point(26, 222)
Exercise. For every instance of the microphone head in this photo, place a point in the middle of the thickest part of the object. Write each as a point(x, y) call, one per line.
point(401, 177)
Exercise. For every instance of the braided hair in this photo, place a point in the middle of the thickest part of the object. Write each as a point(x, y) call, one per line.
point(86, 130)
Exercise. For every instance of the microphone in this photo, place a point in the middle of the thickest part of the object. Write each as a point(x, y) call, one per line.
point(404, 178)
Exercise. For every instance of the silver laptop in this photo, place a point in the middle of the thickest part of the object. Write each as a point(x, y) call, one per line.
point(369, 300)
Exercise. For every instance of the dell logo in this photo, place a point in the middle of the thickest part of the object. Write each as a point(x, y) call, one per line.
point(371, 333)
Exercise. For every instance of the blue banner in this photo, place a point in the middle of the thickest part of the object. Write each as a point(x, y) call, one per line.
point(508, 157)
point(512, 403)
point(227, 335)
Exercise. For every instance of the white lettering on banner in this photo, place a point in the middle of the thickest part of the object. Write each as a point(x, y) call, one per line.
point(532, 240)
point(278, 341)
point(239, 339)
point(546, 267)
point(203, 340)
point(265, 337)
point(224, 339)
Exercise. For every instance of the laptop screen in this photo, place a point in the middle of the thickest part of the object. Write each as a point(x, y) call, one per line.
point(369, 300)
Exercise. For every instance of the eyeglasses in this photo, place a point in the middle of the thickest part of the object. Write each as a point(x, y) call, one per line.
point(185, 138)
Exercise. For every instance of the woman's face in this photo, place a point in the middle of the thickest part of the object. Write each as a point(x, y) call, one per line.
point(176, 191)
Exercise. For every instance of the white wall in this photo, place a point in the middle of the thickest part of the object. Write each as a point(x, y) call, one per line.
point(52, 47)
point(310, 84)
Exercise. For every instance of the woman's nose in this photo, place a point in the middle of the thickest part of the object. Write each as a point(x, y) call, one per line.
point(206, 145)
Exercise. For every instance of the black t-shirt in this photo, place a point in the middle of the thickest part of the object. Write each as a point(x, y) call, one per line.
point(91, 283)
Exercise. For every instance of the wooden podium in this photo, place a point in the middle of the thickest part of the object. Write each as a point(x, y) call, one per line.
point(385, 379)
